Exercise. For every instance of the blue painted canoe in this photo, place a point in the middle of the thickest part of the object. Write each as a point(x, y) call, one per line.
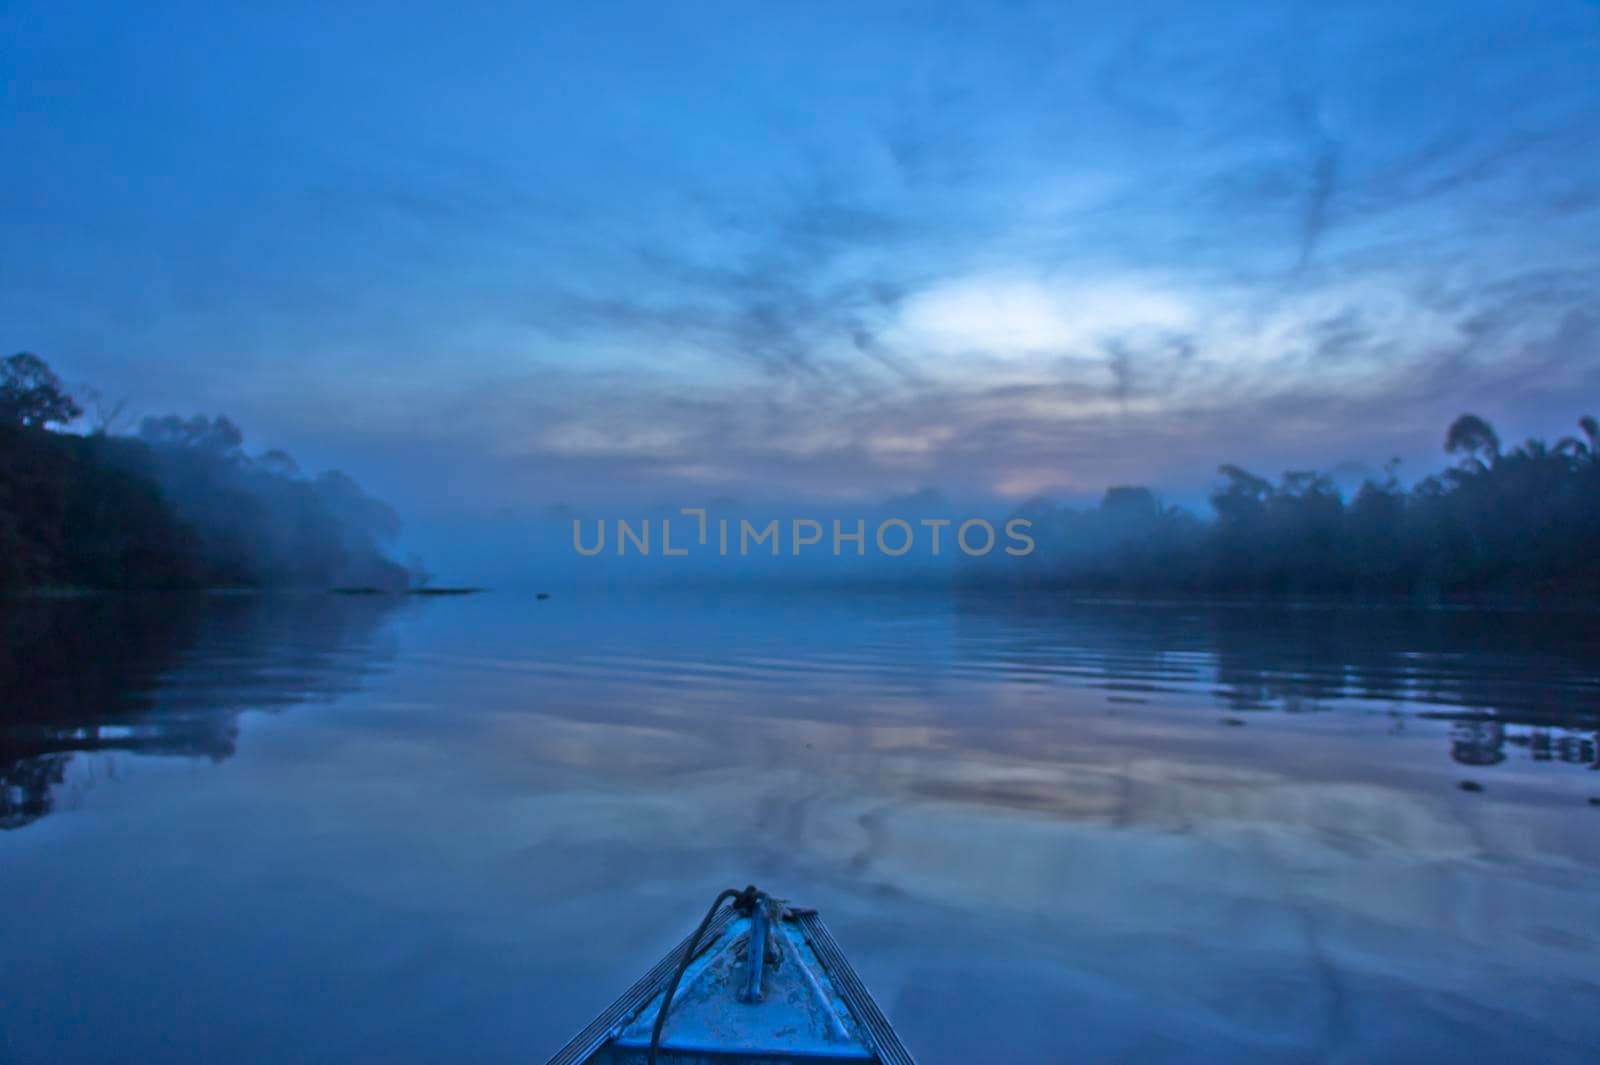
point(758, 983)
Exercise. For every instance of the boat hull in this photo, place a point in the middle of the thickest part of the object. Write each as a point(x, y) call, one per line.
point(804, 1002)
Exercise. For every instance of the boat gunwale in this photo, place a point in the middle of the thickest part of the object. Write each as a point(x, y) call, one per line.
point(879, 1035)
point(611, 1020)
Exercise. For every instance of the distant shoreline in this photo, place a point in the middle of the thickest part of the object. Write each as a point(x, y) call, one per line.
point(1505, 602)
point(86, 592)
point(370, 590)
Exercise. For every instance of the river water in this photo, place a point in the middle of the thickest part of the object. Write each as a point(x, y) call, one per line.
point(323, 828)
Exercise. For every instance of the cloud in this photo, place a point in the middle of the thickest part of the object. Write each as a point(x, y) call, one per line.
point(847, 256)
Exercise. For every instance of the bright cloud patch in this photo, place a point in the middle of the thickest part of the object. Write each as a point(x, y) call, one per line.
point(1018, 318)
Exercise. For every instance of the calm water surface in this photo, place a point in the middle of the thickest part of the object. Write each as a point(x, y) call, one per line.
point(334, 829)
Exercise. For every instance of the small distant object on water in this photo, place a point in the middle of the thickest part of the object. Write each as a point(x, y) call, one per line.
point(1470, 785)
point(759, 981)
point(360, 589)
point(1594, 800)
point(1233, 721)
point(542, 596)
point(445, 591)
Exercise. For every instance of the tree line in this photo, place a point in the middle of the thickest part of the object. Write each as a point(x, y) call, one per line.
point(181, 505)
point(178, 505)
point(1519, 521)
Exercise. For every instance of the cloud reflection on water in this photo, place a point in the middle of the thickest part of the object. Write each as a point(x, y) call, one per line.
point(510, 818)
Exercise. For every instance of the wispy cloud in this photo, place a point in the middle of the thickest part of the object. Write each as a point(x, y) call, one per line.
point(1023, 248)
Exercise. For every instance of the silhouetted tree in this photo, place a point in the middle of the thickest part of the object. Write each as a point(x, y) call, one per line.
point(1471, 435)
point(220, 437)
point(276, 463)
point(1588, 448)
point(104, 413)
point(32, 395)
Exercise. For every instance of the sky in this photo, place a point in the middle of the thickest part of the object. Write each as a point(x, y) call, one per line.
point(491, 258)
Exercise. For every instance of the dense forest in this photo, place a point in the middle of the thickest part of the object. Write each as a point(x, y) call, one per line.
point(1523, 521)
point(179, 505)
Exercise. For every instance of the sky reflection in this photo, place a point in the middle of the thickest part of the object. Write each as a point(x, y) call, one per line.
point(496, 813)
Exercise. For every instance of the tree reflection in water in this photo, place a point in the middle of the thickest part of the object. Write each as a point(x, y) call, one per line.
point(163, 675)
point(170, 675)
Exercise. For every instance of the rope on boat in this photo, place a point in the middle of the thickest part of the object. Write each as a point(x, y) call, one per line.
point(743, 900)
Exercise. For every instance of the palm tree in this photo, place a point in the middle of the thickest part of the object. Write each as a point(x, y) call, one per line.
point(1470, 435)
point(1571, 445)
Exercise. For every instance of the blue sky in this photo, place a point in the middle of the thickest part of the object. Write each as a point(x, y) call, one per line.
point(489, 258)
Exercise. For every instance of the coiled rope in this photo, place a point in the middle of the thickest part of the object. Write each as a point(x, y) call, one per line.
point(745, 900)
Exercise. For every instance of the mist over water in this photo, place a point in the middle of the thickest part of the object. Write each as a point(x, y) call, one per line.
point(402, 830)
